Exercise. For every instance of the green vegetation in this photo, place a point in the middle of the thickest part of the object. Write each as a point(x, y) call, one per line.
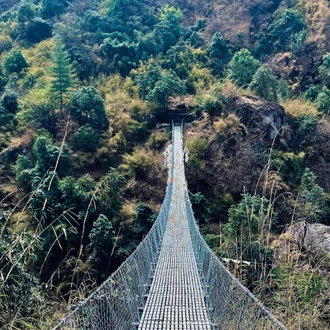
point(85, 93)
point(63, 77)
point(243, 67)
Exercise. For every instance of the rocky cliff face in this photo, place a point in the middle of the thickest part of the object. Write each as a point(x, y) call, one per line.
point(298, 71)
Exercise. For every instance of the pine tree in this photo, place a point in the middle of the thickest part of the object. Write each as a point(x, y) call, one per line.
point(64, 78)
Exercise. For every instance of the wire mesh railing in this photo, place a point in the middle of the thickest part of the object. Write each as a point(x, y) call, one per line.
point(230, 304)
point(118, 303)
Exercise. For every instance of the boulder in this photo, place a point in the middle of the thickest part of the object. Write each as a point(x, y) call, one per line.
point(313, 237)
point(269, 119)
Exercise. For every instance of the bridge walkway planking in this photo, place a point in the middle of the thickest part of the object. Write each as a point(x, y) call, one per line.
point(176, 297)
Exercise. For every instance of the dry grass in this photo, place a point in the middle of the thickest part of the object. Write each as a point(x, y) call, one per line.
point(231, 18)
point(24, 141)
point(19, 220)
point(127, 213)
point(297, 108)
point(202, 79)
point(317, 15)
point(228, 88)
point(39, 60)
point(231, 124)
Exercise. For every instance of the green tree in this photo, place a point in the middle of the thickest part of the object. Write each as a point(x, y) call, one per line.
point(2, 78)
point(311, 203)
point(297, 41)
point(121, 53)
point(14, 62)
point(197, 152)
point(37, 109)
point(144, 219)
point(311, 93)
point(10, 101)
point(86, 138)
point(146, 80)
point(250, 219)
point(51, 8)
point(200, 206)
point(25, 13)
point(168, 85)
point(218, 53)
point(180, 59)
point(170, 14)
point(87, 107)
point(37, 30)
point(242, 67)
point(323, 100)
point(290, 23)
point(265, 84)
point(110, 194)
point(101, 242)
point(168, 31)
point(47, 153)
point(31, 169)
point(62, 73)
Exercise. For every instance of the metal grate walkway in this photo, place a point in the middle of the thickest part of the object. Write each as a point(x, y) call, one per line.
point(176, 297)
point(172, 277)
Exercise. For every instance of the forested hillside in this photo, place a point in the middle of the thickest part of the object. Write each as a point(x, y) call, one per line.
point(85, 91)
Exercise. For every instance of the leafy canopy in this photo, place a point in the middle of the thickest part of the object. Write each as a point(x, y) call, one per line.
point(168, 85)
point(87, 107)
point(282, 29)
point(14, 62)
point(242, 67)
point(218, 53)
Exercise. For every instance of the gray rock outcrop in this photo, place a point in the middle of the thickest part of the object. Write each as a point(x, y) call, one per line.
point(269, 119)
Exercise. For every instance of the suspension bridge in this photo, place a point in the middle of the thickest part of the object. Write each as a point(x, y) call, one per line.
point(172, 281)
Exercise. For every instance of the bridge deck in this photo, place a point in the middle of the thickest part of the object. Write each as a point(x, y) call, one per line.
point(176, 297)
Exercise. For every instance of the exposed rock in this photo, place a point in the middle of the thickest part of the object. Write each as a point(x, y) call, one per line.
point(257, 114)
point(151, 121)
point(313, 237)
point(298, 71)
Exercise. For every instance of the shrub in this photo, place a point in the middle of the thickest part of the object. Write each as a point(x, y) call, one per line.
point(86, 138)
point(157, 140)
point(212, 104)
point(141, 164)
point(249, 219)
point(14, 62)
point(197, 151)
point(200, 207)
point(323, 100)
